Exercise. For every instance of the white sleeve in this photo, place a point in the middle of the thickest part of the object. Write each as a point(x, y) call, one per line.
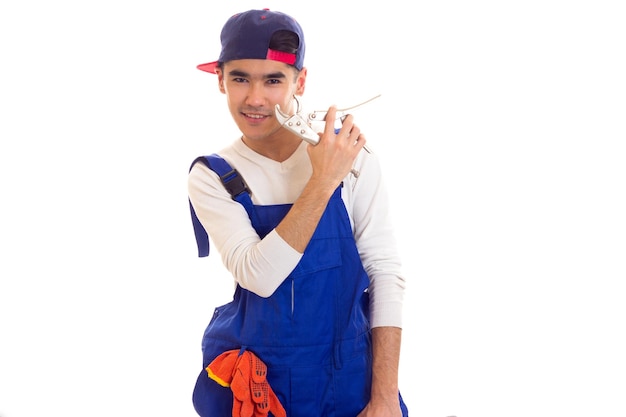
point(258, 265)
point(374, 234)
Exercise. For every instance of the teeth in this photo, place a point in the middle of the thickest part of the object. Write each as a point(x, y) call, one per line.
point(255, 116)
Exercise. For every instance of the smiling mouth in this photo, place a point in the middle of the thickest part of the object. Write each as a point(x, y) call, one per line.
point(255, 116)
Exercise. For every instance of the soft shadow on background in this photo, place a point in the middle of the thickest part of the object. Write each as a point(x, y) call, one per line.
point(501, 133)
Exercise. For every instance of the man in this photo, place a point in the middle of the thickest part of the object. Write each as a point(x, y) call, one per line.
point(306, 234)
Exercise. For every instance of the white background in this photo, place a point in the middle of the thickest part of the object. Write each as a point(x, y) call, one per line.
point(501, 133)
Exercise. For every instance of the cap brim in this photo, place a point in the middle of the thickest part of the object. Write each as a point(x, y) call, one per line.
point(209, 67)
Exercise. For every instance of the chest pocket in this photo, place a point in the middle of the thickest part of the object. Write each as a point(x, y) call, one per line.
point(319, 255)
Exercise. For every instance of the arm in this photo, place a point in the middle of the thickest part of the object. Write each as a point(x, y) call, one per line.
point(332, 158)
point(377, 246)
point(261, 265)
point(384, 401)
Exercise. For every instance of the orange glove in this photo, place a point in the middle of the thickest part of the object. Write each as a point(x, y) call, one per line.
point(222, 368)
point(246, 375)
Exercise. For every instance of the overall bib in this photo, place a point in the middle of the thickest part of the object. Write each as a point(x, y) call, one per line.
point(313, 333)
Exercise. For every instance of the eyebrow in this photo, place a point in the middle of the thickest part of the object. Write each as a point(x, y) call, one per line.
point(271, 75)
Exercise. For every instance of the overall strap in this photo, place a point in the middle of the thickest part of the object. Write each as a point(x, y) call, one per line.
point(234, 184)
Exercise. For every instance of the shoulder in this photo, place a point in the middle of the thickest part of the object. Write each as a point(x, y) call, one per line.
point(366, 169)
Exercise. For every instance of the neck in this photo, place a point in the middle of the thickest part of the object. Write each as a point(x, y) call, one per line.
point(278, 147)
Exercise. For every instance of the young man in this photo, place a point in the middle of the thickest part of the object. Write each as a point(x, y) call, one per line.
point(314, 328)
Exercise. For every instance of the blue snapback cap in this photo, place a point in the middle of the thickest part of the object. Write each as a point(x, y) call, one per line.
point(247, 35)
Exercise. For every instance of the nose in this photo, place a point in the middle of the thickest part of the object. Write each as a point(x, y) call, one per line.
point(256, 96)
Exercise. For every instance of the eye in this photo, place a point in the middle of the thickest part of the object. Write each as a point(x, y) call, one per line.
point(274, 81)
point(239, 80)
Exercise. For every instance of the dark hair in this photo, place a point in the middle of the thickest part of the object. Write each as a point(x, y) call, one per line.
point(285, 41)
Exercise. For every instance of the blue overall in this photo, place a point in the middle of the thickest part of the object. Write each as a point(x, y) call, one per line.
point(313, 333)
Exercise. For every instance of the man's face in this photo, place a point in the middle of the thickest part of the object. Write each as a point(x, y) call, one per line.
point(253, 87)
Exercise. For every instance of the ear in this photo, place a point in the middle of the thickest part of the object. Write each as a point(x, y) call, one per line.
point(220, 80)
point(301, 82)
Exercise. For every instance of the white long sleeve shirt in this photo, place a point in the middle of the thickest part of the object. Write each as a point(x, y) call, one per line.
point(261, 265)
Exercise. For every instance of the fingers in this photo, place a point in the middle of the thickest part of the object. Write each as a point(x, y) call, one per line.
point(330, 118)
point(347, 136)
point(360, 142)
point(347, 128)
point(353, 133)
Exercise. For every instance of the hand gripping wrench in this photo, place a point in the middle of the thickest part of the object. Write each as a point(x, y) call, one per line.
point(304, 126)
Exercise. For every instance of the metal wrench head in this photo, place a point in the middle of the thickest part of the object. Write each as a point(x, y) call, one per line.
point(297, 124)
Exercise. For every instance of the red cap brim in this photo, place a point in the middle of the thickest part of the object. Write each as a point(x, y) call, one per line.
point(209, 67)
